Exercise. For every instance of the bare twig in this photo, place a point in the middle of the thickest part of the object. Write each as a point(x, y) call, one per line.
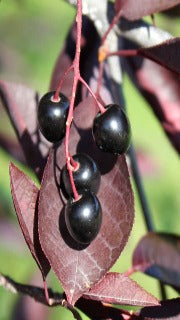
point(89, 307)
point(140, 189)
point(37, 293)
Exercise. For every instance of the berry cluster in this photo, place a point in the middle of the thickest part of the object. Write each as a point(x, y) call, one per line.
point(111, 132)
point(84, 215)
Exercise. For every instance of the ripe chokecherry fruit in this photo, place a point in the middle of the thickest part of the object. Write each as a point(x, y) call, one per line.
point(83, 217)
point(111, 130)
point(52, 116)
point(86, 176)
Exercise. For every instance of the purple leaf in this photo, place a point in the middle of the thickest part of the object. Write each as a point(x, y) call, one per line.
point(78, 267)
point(25, 197)
point(116, 288)
point(169, 309)
point(96, 310)
point(164, 54)
point(21, 104)
point(158, 254)
point(162, 93)
point(173, 12)
point(133, 10)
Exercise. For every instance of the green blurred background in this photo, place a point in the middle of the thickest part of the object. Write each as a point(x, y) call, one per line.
point(32, 33)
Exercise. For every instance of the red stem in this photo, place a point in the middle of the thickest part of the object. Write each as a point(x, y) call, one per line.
point(73, 95)
point(139, 267)
point(101, 67)
point(130, 271)
point(125, 53)
point(113, 22)
point(101, 108)
point(56, 95)
point(46, 291)
point(74, 163)
point(71, 164)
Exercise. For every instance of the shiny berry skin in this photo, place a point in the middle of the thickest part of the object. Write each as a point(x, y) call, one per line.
point(111, 130)
point(86, 177)
point(52, 116)
point(83, 218)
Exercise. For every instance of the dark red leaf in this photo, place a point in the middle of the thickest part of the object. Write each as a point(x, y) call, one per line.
point(162, 93)
point(173, 12)
point(25, 197)
point(133, 10)
point(21, 104)
point(158, 254)
point(168, 310)
point(78, 267)
point(116, 288)
point(165, 54)
point(96, 310)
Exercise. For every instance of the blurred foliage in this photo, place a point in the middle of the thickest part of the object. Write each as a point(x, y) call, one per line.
point(32, 34)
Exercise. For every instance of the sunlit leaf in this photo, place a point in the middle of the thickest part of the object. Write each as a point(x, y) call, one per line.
point(78, 267)
point(25, 196)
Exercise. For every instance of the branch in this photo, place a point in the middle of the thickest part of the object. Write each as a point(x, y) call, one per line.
point(37, 294)
point(140, 189)
point(89, 307)
point(93, 309)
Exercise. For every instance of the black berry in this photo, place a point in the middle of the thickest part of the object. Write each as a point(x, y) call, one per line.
point(111, 130)
point(86, 177)
point(52, 116)
point(83, 218)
